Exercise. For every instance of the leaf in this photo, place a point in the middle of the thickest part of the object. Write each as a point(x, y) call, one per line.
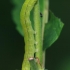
point(52, 31)
point(16, 14)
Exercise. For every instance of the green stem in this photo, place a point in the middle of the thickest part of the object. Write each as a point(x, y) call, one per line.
point(38, 30)
point(34, 64)
point(44, 20)
point(39, 25)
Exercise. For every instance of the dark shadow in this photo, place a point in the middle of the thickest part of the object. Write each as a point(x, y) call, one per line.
point(11, 42)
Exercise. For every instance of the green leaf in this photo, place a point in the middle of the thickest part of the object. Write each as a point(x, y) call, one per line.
point(16, 14)
point(52, 30)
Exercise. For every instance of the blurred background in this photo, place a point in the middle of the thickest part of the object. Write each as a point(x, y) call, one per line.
point(12, 43)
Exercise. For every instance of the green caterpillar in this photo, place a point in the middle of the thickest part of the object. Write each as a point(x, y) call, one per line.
point(28, 32)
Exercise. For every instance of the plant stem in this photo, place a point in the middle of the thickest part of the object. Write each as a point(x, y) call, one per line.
point(38, 30)
point(39, 25)
point(44, 20)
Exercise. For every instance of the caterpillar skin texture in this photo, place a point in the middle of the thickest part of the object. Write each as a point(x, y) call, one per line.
point(28, 32)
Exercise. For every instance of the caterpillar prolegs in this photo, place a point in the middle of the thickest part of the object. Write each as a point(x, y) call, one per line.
point(28, 32)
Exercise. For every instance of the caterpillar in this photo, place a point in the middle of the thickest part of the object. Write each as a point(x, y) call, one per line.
point(28, 32)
